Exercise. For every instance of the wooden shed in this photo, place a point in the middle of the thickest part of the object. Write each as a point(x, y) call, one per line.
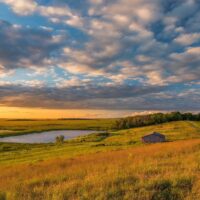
point(154, 138)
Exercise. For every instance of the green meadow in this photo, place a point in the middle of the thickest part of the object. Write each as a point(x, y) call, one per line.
point(112, 164)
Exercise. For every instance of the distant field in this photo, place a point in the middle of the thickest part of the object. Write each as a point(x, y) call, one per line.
point(107, 165)
point(14, 153)
point(16, 127)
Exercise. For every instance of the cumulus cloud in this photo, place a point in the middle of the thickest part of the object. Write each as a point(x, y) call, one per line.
point(23, 47)
point(188, 39)
point(190, 56)
point(119, 54)
point(22, 7)
point(25, 83)
point(56, 14)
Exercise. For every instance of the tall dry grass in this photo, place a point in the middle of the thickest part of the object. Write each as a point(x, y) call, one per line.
point(169, 171)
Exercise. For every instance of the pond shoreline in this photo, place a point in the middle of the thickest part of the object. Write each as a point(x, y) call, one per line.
point(45, 130)
point(23, 127)
point(45, 136)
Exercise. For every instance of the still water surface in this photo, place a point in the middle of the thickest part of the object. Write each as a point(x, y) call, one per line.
point(45, 137)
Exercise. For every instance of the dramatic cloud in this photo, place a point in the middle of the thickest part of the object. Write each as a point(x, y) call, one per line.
point(188, 39)
point(27, 47)
point(54, 13)
point(21, 7)
point(123, 54)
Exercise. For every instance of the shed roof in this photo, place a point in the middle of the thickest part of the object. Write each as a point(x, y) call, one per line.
point(154, 134)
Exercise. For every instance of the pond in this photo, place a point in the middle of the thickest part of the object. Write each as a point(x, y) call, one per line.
point(45, 137)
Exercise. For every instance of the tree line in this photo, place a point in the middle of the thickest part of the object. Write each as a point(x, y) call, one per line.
point(152, 119)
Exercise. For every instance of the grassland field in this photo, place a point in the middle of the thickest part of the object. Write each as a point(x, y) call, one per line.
point(107, 165)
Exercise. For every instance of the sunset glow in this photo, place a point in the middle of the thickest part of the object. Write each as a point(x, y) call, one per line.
point(38, 113)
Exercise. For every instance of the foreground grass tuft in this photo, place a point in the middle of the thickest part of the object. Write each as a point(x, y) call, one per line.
point(2, 196)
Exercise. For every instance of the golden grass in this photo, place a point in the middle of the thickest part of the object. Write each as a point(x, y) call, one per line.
point(169, 171)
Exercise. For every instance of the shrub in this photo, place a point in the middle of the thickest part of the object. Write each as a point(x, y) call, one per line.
point(161, 185)
point(163, 190)
point(185, 184)
point(60, 139)
point(167, 194)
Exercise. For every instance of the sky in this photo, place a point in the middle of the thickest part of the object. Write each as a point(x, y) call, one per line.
point(98, 58)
